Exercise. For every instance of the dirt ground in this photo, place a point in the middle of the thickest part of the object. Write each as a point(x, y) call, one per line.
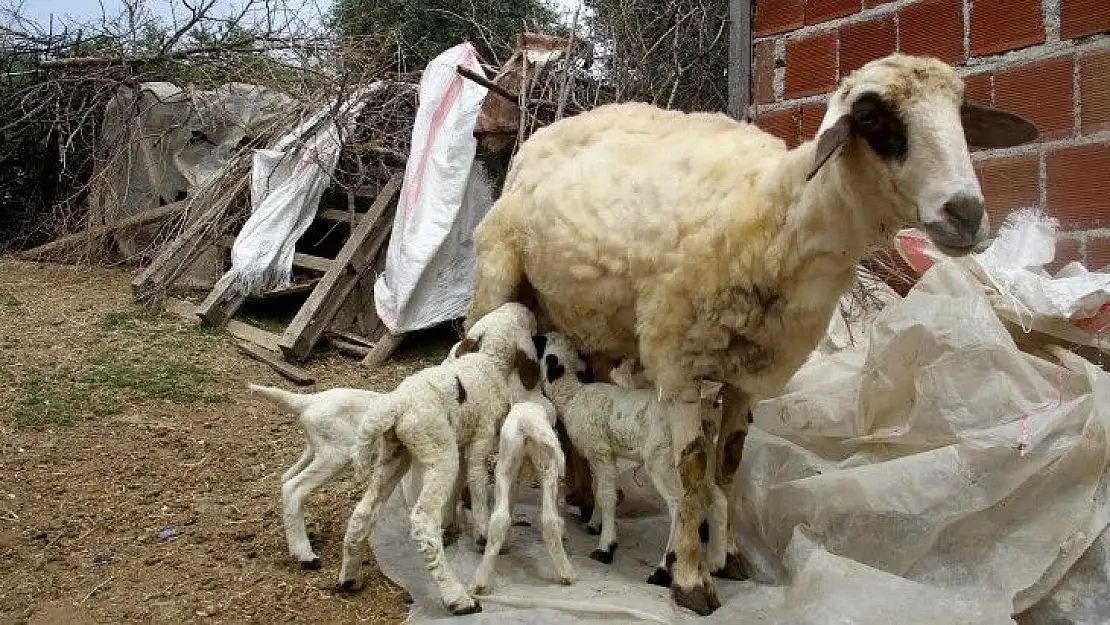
point(139, 479)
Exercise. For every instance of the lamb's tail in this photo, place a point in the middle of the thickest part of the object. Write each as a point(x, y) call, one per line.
point(545, 436)
point(288, 401)
point(380, 416)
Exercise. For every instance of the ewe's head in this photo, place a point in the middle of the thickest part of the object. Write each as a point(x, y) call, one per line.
point(908, 114)
point(506, 335)
point(558, 358)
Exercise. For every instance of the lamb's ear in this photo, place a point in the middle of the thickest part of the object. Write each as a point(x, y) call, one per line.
point(527, 369)
point(987, 127)
point(833, 137)
point(586, 376)
point(555, 369)
point(540, 341)
point(467, 346)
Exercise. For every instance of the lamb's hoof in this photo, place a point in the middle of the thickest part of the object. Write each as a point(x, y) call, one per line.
point(733, 569)
point(660, 577)
point(593, 531)
point(311, 565)
point(703, 531)
point(566, 581)
point(699, 599)
point(480, 541)
point(349, 586)
point(464, 608)
point(604, 556)
point(450, 538)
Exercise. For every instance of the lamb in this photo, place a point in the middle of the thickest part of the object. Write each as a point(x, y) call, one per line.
point(432, 417)
point(527, 434)
point(329, 420)
point(707, 250)
point(605, 423)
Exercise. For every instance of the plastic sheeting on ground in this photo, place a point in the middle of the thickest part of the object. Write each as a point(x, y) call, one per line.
point(931, 473)
point(429, 271)
point(287, 182)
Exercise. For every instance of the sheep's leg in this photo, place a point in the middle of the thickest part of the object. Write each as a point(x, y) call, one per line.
point(500, 270)
point(715, 524)
point(669, 486)
point(735, 419)
point(692, 585)
point(477, 480)
point(606, 471)
point(293, 494)
point(550, 521)
point(383, 479)
point(508, 467)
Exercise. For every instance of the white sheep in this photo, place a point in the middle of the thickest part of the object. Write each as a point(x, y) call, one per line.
point(527, 433)
point(432, 417)
point(705, 248)
point(329, 420)
point(607, 423)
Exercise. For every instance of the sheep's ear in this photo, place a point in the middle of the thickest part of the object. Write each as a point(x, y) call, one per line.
point(467, 346)
point(555, 369)
point(833, 137)
point(987, 127)
point(527, 369)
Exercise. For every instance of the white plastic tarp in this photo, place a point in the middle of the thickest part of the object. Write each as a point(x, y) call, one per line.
point(287, 182)
point(929, 473)
point(429, 272)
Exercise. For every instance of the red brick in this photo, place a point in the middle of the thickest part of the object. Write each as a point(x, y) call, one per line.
point(1078, 184)
point(1067, 250)
point(1042, 92)
point(1008, 183)
point(1024, 25)
point(811, 65)
point(977, 88)
point(776, 16)
point(818, 11)
point(864, 41)
point(1098, 253)
point(764, 79)
point(1083, 17)
point(933, 28)
point(1094, 92)
point(783, 124)
point(812, 114)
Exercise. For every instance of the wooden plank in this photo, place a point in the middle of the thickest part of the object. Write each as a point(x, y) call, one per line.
point(238, 329)
point(332, 214)
point(274, 359)
point(351, 349)
point(175, 255)
point(87, 236)
point(304, 261)
point(221, 303)
point(350, 338)
point(358, 252)
point(739, 58)
point(383, 349)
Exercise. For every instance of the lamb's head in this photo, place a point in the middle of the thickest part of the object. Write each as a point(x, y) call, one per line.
point(906, 119)
point(558, 357)
point(505, 334)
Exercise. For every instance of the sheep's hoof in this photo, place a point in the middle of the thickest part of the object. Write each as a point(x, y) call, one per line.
point(463, 608)
point(660, 577)
point(349, 586)
point(604, 556)
point(699, 599)
point(593, 531)
point(310, 565)
point(733, 569)
point(703, 531)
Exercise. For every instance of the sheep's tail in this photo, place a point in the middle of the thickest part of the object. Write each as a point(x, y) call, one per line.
point(288, 401)
point(381, 415)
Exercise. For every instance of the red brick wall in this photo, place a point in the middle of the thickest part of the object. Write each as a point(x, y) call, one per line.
point(1050, 63)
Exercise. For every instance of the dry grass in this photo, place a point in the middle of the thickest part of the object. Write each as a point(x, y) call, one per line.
point(122, 428)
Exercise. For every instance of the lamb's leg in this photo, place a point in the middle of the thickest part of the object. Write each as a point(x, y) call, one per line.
point(477, 480)
point(508, 467)
point(578, 479)
point(380, 484)
point(450, 512)
point(606, 471)
point(293, 494)
point(550, 521)
point(594, 524)
point(735, 418)
point(667, 483)
point(692, 585)
point(299, 465)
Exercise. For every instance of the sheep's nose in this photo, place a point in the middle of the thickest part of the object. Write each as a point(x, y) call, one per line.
point(966, 210)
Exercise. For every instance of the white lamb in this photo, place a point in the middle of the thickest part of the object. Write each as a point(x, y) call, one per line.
point(433, 417)
point(527, 433)
point(329, 420)
point(607, 423)
point(706, 249)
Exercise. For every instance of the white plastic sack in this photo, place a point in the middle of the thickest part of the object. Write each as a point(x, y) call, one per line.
point(430, 271)
point(287, 182)
point(941, 455)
